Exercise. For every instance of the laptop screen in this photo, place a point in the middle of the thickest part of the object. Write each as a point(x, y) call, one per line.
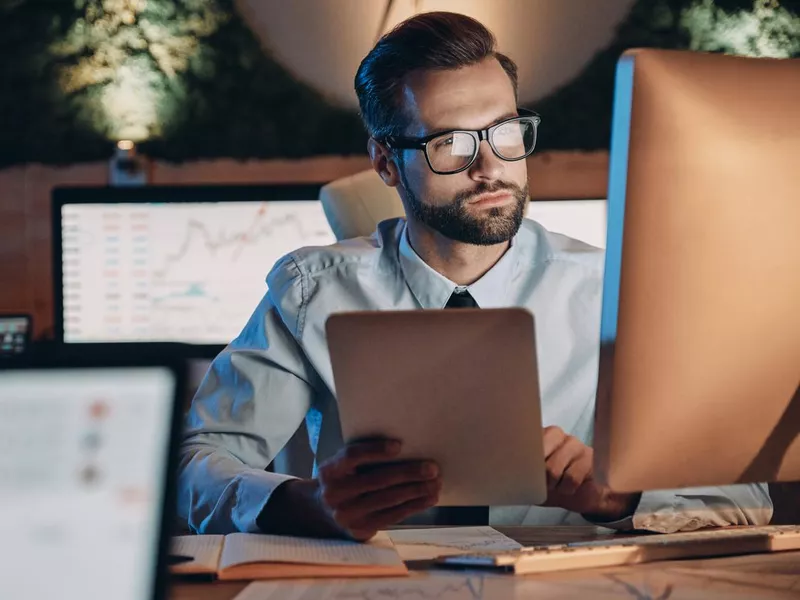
point(83, 459)
point(584, 220)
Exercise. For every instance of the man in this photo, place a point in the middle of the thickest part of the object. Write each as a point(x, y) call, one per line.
point(464, 243)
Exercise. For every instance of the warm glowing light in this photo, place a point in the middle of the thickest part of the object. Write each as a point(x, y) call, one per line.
point(131, 101)
point(125, 145)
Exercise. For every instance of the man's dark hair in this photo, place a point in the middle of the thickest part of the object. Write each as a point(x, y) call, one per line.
point(430, 41)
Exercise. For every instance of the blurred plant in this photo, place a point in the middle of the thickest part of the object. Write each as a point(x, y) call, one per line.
point(185, 78)
point(763, 29)
point(121, 60)
point(578, 115)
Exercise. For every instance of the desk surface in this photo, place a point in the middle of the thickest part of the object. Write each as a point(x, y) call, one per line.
point(774, 575)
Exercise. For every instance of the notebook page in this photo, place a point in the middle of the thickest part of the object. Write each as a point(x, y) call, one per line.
point(242, 548)
point(427, 544)
point(205, 549)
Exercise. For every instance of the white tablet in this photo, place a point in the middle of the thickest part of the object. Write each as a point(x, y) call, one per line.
point(456, 386)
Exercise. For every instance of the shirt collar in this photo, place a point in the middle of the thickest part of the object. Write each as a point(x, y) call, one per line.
point(433, 290)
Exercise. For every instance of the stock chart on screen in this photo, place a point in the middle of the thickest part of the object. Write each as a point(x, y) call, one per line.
point(189, 272)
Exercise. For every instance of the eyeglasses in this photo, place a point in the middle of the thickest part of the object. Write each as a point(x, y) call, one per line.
point(449, 152)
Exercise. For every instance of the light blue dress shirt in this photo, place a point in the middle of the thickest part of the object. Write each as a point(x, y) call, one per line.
point(277, 374)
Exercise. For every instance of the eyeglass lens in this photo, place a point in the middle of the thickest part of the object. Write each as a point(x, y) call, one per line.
point(453, 151)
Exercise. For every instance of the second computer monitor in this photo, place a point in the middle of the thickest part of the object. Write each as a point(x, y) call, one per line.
point(173, 264)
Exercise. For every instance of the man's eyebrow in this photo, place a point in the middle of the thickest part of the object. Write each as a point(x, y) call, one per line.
point(508, 115)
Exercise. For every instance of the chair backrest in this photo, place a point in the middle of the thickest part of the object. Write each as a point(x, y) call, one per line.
point(353, 205)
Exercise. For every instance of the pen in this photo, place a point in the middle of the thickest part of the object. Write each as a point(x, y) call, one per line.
point(176, 559)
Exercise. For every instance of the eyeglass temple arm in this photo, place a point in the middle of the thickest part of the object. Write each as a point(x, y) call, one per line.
point(404, 144)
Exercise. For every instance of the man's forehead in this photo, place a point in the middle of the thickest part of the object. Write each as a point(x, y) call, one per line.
point(471, 97)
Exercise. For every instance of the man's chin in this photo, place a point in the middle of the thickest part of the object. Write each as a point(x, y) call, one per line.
point(496, 220)
point(498, 236)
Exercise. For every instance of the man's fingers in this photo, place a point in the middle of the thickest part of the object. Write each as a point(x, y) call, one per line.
point(575, 475)
point(354, 455)
point(552, 438)
point(382, 477)
point(362, 535)
point(557, 463)
point(357, 509)
point(392, 516)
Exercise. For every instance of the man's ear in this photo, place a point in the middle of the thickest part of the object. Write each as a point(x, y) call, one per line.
point(382, 161)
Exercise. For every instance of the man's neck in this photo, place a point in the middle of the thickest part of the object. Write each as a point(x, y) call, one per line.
point(461, 263)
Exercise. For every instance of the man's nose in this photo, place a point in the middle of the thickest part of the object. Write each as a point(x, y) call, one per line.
point(487, 166)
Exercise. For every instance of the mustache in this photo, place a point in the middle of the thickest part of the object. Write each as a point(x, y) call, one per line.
point(486, 188)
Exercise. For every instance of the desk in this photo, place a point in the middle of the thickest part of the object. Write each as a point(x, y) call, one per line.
point(756, 576)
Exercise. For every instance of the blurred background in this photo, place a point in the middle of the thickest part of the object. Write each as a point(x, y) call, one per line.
point(261, 92)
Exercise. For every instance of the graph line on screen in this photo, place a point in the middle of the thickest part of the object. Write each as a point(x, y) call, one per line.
point(259, 228)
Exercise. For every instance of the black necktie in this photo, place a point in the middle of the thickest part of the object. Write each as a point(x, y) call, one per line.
point(461, 300)
point(462, 515)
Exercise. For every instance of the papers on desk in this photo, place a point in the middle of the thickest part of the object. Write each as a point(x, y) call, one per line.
point(254, 556)
point(433, 586)
point(428, 544)
point(685, 580)
point(639, 582)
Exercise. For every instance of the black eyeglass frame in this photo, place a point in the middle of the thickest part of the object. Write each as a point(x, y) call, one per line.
point(397, 142)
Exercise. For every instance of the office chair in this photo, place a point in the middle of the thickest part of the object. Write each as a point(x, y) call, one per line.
point(354, 205)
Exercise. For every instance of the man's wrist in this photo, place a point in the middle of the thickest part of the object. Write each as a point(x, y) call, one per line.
point(294, 509)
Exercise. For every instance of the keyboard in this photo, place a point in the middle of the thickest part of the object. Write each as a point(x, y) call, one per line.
point(634, 550)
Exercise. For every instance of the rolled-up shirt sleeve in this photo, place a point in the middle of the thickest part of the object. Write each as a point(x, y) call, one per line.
point(671, 511)
point(252, 400)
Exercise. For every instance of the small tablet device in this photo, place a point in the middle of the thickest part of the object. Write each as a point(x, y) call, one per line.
point(456, 386)
point(15, 334)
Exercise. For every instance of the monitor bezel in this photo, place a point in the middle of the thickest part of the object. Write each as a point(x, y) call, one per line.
point(195, 194)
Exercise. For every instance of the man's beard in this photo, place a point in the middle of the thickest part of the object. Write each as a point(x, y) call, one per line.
point(454, 220)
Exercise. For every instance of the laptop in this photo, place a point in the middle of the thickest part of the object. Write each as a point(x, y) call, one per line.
point(459, 387)
point(86, 451)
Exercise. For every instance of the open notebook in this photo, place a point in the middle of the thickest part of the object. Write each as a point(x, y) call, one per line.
point(259, 556)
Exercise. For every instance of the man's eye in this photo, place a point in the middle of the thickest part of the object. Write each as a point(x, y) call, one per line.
point(448, 141)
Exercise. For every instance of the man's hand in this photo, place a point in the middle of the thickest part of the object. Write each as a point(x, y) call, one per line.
point(359, 491)
point(571, 484)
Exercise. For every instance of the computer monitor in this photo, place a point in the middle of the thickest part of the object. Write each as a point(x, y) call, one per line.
point(584, 220)
point(173, 264)
point(86, 461)
point(700, 336)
